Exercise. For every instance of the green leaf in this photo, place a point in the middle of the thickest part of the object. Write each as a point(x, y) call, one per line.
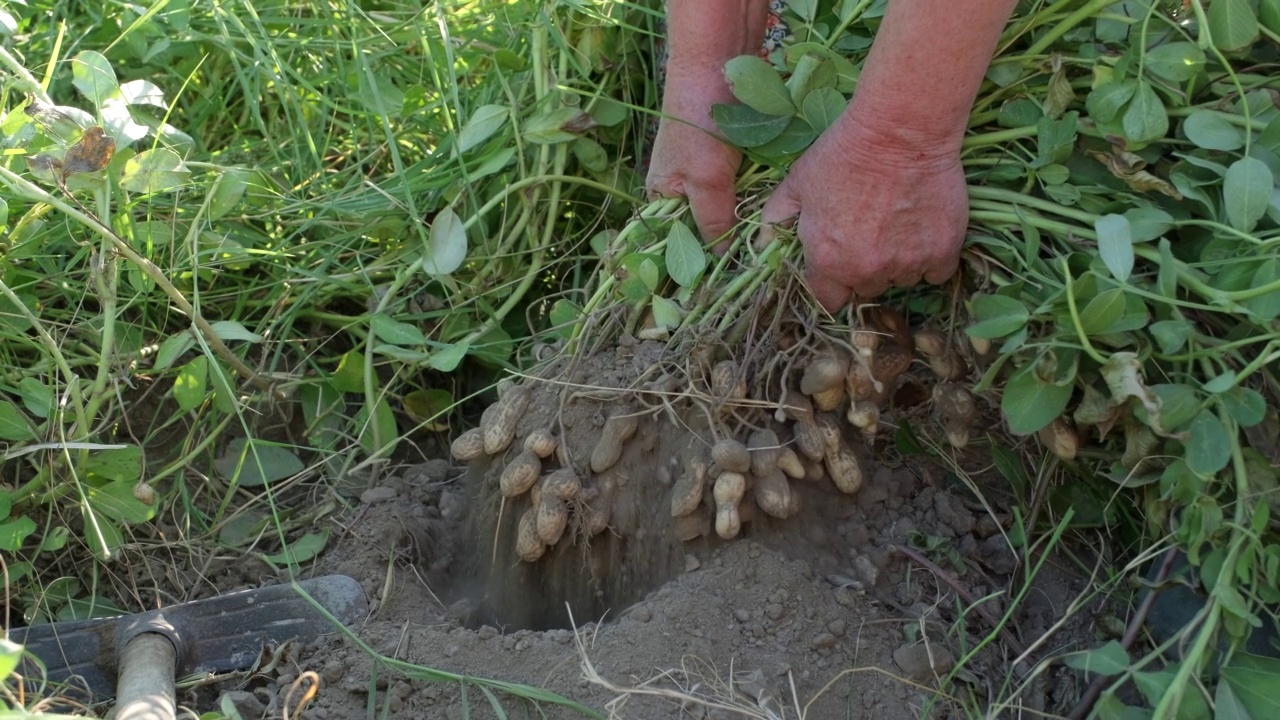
point(1265, 307)
point(14, 532)
point(1145, 119)
point(172, 348)
point(1179, 404)
point(302, 549)
point(483, 123)
point(384, 420)
point(1102, 312)
point(254, 463)
point(1254, 679)
point(227, 191)
point(102, 535)
point(92, 75)
point(1232, 24)
point(10, 655)
point(154, 171)
point(1176, 61)
point(821, 108)
point(448, 357)
point(1212, 131)
point(230, 330)
point(1245, 405)
point(1208, 446)
point(557, 126)
point(685, 257)
point(1109, 659)
point(192, 384)
point(794, 139)
point(1227, 705)
point(37, 397)
point(349, 377)
point(1105, 101)
point(746, 127)
point(1246, 190)
point(396, 332)
point(1147, 223)
point(1029, 404)
point(997, 316)
point(14, 426)
point(591, 154)
point(757, 85)
point(115, 500)
point(1115, 245)
point(666, 314)
point(1269, 14)
point(1221, 383)
point(447, 245)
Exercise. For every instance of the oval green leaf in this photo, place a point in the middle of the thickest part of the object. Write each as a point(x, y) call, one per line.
point(1246, 190)
point(1208, 445)
point(1115, 245)
point(447, 244)
point(758, 86)
point(154, 171)
point(997, 316)
point(1030, 404)
point(685, 257)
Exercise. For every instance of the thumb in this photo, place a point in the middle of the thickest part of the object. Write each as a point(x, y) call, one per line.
point(780, 210)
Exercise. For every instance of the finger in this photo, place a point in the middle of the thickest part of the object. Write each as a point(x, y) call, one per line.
point(829, 292)
point(714, 212)
point(780, 209)
point(939, 274)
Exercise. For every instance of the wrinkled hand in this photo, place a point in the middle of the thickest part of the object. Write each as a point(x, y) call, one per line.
point(872, 215)
point(689, 160)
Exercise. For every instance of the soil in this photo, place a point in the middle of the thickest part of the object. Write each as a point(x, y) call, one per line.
point(839, 611)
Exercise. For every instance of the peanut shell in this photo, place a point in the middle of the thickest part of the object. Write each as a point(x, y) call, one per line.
point(845, 470)
point(617, 430)
point(563, 483)
point(765, 449)
point(520, 474)
point(469, 445)
point(553, 517)
point(541, 442)
point(528, 545)
point(773, 494)
point(826, 370)
point(809, 440)
point(686, 496)
point(731, 455)
point(501, 426)
point(688, 528)
point(789, 463)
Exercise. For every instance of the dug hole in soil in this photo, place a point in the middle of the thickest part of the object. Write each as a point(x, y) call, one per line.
point(640, 614)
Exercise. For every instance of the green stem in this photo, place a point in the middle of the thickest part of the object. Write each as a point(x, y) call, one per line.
point(1075, 317)
point(1085, 12)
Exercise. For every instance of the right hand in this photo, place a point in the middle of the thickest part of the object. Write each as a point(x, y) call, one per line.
point(689, 158)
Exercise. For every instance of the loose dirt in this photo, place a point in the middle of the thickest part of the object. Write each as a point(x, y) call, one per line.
point(854, 607)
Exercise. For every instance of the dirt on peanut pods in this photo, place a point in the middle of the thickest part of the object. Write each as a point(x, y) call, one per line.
point(817, 614)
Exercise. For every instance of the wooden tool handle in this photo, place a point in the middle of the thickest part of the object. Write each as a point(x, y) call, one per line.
point(144, 690)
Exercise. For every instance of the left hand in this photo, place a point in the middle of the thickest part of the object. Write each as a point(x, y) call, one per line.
point(873, 214)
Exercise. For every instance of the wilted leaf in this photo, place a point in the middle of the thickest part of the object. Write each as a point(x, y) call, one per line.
point(1060, 95)
point(557, 126)
point(92, 153)
point(1123, 375)
point(302, 549)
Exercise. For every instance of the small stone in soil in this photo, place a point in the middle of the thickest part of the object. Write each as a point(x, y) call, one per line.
point(921, 662)
point(375, 495)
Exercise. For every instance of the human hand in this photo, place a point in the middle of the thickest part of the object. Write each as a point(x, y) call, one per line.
point(689, 159)
point(872, 214)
